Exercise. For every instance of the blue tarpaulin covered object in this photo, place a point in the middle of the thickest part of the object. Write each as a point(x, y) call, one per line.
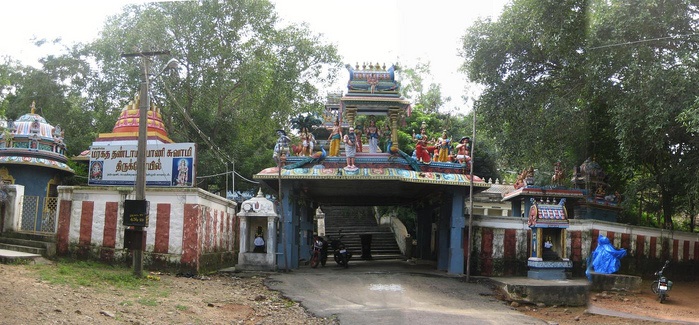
point(605, 258)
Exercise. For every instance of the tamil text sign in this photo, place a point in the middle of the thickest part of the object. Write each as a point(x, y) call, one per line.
point(169, 164)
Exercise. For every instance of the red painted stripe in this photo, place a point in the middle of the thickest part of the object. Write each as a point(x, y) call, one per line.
point(162, 228)
point(510, 243)
point(190, 236)
point(626, 241)
point(576, 246)
point(610, 235)
point(88, 208)
point(111, 212)
point(640, 245)
point(652, 248)
point(487, 251)
point(685, 251)
point(595, 237)
point(675, 249)
point(63, 230)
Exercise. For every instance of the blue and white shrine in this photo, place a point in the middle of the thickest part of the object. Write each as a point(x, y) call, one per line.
point(32, 154)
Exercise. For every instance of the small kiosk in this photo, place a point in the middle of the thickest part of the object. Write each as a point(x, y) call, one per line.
point(258, 218)
point(548, 222)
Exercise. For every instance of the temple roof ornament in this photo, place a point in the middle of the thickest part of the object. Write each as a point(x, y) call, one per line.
point(126, 126)
point(30, 140)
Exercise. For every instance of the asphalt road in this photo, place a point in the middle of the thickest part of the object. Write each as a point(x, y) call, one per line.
point(393, 292)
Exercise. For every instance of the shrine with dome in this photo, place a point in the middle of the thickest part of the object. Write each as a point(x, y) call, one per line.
point(32, 155)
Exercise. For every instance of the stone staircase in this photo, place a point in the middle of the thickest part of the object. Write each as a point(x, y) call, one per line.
point(352, 222)
point(16, 246)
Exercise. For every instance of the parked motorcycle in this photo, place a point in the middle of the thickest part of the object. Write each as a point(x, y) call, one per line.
point(661, 285)
point(340, 252)
point(320, 252)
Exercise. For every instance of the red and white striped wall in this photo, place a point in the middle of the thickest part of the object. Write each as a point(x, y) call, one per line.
point(184, 224)
point(509, 238)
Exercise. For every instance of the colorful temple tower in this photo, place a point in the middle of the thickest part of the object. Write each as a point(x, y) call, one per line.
point(32, 154)
point(125, 131)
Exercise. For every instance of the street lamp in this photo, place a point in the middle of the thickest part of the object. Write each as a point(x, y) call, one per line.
point(140, 184)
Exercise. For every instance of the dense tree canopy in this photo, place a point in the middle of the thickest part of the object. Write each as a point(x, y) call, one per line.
point(612, 80)
point(241, 77)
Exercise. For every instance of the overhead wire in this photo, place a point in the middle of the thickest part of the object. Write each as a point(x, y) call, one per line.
point(223, 157)
point(641, 41)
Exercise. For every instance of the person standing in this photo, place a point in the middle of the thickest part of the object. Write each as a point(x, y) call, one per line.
point(259, 243)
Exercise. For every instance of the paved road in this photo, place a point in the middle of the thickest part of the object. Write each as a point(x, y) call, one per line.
point(393, 292)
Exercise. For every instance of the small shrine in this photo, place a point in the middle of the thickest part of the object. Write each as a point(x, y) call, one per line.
point(546, 208)
point(599, 201)
point(258, 234)
point(32, 154)
point(548, 222)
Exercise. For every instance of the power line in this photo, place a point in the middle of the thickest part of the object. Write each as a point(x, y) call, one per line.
point(227, 173)
point(206, 139)
point(641, 41)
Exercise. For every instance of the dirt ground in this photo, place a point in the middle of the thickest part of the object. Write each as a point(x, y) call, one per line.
point(681, 306)
point(243, 299)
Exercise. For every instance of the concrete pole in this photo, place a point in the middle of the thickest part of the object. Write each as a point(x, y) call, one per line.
point(143, 108)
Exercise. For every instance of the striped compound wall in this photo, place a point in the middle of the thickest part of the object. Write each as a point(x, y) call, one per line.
point(502, 246)
point(188, 229)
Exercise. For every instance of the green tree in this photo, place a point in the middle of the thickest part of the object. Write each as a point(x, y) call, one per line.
point(566, 80)
point(241, 76)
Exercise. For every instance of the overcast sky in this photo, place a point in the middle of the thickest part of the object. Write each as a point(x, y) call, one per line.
point(386, 31)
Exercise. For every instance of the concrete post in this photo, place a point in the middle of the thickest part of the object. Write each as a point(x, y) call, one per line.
point(458, 222)
point(443, 230)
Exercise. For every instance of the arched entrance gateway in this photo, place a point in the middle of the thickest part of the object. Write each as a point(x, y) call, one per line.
point(387, 177)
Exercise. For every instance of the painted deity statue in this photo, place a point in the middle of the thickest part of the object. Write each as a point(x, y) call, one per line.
point(281, 148)
point(358, 136)
point(444, 146)
point(463, 150)
point(334, 138)
point(422, 149)
point(372, 134)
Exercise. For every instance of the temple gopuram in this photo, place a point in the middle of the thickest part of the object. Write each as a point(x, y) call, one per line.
point(384, 177)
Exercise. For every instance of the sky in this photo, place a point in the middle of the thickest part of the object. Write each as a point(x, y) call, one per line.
point(387, 31)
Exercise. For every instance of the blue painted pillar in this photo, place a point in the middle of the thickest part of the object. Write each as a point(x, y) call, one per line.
point(443, 233)
point(424, 233)
point(456, 231)
point(288, 246)
point(305, 231)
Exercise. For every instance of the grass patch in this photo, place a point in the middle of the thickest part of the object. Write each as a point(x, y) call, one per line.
point(181, 307)
point(91, 274)
point(148, 302)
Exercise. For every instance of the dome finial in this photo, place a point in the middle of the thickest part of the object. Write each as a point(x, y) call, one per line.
point(33, 107)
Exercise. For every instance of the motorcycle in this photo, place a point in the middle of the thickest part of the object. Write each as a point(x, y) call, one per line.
point(319, 254)
point(661, 285)
point(340, 252)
